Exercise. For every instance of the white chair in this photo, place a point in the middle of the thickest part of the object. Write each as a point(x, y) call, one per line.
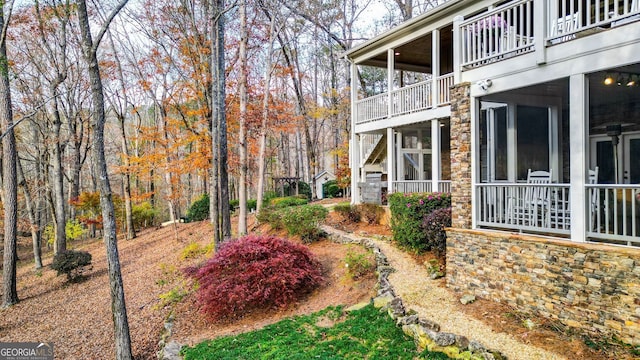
point(560, 212)
point(531, 202)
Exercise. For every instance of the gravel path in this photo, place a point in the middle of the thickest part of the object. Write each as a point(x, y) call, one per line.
point(418, 292)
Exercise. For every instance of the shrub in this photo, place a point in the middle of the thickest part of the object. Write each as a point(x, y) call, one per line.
point(143, 214)
point(255, 272)
point(72, 263)
point(434, 225)
point(371, 213)
point(304, 221)
point(271, 216)
point(251, 204)
point(348, 212)
point(199, 209)
point(358, 264)
point(287, 201)
point(330, 189)
point(408, 212)
point(193, 250)
point(73, 230)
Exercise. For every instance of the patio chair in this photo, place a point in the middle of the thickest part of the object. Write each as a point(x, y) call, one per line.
point(529, 204)
point(559, 209)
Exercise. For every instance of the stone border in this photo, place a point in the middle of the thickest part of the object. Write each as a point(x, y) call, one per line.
point(425, 333)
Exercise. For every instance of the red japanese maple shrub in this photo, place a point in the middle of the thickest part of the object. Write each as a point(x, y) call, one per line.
point(255, 272)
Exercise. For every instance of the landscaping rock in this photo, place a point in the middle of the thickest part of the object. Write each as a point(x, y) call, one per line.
point(406, 320)
point(467, 299)
point(428, 324)
point(382, 300)
point(171, 351)
point(476, 347)
point(445, 339)
point(357, 307)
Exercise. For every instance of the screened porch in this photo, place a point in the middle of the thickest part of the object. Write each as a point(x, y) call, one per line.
point(527, 131)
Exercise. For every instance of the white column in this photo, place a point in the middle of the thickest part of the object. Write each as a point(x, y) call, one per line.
point(390, 77)
point(354, 158)
point(578, 153)
point(457, 49)
point(540, 30)
point(435, 155)
point(391, 160)
point(435, 67)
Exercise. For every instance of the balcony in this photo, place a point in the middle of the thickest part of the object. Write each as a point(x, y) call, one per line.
point(405, 100)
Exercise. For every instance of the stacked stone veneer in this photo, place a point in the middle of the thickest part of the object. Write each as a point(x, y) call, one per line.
point(592, 287)
point(461, 156)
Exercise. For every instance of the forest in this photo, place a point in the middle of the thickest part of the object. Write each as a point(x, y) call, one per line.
point(118, 115)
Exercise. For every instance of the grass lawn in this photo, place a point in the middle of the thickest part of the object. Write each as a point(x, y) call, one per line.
point(327, 334)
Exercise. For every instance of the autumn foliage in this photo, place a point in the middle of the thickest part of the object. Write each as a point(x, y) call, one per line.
point(255, 272)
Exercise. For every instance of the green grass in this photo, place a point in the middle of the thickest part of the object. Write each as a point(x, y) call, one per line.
point(327, 334)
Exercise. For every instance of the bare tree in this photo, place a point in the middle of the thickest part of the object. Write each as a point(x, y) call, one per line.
point(9, 173)
point(90, 49)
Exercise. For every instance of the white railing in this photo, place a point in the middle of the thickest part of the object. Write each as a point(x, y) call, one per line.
point(568, 17)
point(406, 100)
point(372, 108)
point(537, 208)
point(616, 214)
point(445, 82)
point(412, 98)
point(416, 186)
point(497, 34)
point(444, 186)
point(412, 186)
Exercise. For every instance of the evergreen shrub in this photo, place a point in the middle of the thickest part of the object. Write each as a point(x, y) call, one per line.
point(408, 212)
point(72, 263)
point(199, 209)
point(304, 221)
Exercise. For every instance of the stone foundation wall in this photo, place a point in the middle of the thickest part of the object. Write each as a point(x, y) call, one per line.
point(595, 288)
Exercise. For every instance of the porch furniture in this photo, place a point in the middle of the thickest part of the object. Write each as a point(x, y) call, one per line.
point(530, 205)
point(559, 209)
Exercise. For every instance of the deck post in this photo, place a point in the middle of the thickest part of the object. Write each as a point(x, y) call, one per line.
point(435, 155)
point(391, 160)
point(354, 159)
point(540, 30)
point(578, 140)
point(390, 77)
point(457, 49)
point(435, 68)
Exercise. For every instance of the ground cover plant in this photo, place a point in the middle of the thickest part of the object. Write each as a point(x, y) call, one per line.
point(367, 333)
point(254, 272)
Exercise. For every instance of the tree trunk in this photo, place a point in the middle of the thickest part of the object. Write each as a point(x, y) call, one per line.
point(265, 117)
point(58, 185)
point(242, 138)
point(219, 122)
point(9, 180)
point(118, 306)
point(33, 222)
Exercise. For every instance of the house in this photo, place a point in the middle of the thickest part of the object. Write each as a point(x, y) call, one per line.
point(475, 98)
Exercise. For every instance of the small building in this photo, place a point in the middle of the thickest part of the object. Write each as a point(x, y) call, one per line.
point(319, 180)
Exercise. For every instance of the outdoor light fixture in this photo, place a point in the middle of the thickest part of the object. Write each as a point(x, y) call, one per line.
point(622, 78)
point(608, 80)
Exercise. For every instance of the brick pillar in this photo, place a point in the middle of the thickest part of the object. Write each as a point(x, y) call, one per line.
point(461, 156)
